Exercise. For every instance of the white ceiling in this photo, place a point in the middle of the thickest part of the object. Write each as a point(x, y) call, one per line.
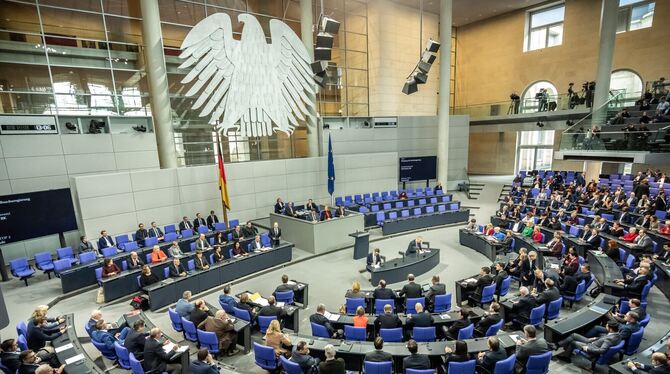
point(468, 11)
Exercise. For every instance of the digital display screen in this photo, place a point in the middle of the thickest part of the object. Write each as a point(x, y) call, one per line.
point(35, 214)
point(418, 168)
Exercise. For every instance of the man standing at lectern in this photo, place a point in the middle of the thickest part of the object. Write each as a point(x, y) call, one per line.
point(374, 258)
point(414, 247)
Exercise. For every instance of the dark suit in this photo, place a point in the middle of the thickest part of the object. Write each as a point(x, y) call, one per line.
point(548, 295)
point(383, 293)
point(237, 236)
point(569, 285)
point(457, 326)
point(140, 235)
point(490, 358)
point(185, 225)
point(378, 355)
point(200, 263)
point(487, 322)
point(37, 337)
point(10, 360)
point(524, 305)
point(289, 211)
point(320, 319)
point(28, 368)
point(423, 319)
point(271, 310)
point(211, 220)
point(198, 315)
point(660, 369)
point(416, 361)
point(200, 367)
point(335, 366)
point(199, 222)
point(134, 343)
point(155, 232)
point(412, 248)
point(483, 281)
point(532, 347)
point(285, 287)
point(374, 259)
point(279, 208)
point(275, 235)
point(411, 290)
point(176, 271)
point(135, 264)
point(435, 289)
point(155, 357)
point(387, 321)
point(105, 242)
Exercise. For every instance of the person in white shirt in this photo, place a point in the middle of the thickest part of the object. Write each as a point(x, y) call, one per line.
point(202, 244)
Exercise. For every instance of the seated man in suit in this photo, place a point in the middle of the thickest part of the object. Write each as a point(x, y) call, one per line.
point(592, 347)
point(522, 306)
point(584, 274)
point(279, 206)
point(272, 309)
point(141, 234)
point(200, 261)
point(102, 336)
point(105, 240)
point(156, 232)
point(320, 319)
point(177, 269)
point(204, 364)
point(415, 360)
point(285, 285)
point(659, 365)
point(185, 224)
point(381, 292)
point(501, 274)
point(301, 357)
point(198, 221)
point(134, 262)
point(289, 210)
point(633, 286)
point(326, 214)
point(374, 258)
point(378, 355)
point(134, 341)
point(643, 242)
point(487, 360)
point(275, 234)
point(436, 288)
point(549, 294)
point(414, 247)
point(492, 317)
point(225, 297)
point(10, 355)
point(387, 320)
point(256, 244)
point(155, 357)
point(411, 290)
point(202, 244)
point(626, 329)
point(237, 234)
point(635, 306)
point(529, 346)
point(312, 206)
point(464, 321)
point(475, 290)
point(211, 220)
point(249, 231)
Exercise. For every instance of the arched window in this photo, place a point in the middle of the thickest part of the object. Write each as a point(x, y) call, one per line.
point(529, 102)
point(627, 80)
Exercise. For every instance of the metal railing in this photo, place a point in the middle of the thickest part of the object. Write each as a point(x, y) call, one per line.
point(644, 139)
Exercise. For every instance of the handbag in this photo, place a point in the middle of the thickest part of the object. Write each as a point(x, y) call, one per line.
point(100, 298)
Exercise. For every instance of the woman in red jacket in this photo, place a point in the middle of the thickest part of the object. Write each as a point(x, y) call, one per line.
point(537, 234)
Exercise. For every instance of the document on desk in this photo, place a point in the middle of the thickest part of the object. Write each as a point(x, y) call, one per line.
point(514, 337)
point(170, 346)
point(598, 309)
point(554, 266)
point(331, 316)
point(445, 316)
point(73, 359)
point(64, 347)
point(258, 299)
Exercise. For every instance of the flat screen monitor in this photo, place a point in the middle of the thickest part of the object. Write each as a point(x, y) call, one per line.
point(418, 168)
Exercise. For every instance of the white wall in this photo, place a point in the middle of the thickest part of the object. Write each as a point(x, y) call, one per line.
point(40, 162)
point(119, 201)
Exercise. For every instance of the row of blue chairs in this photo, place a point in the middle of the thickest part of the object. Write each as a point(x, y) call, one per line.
point(266, 359)
point(379, 197)
point(22, 269)
point(442, 304)
point(404, 204)
point(382, 217)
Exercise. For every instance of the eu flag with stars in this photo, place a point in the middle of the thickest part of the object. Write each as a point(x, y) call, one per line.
point(331, 167)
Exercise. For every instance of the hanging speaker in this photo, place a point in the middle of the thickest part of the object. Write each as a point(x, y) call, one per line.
point(409, 87)
point(329, 25)
point(432, 46)
point(424, 67)
point(322, 53)
point(319, 67)
point(324, 40)
point(428, 57)
point(420, 77)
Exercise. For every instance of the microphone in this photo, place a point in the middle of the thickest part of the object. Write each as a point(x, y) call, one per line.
point(402, 254)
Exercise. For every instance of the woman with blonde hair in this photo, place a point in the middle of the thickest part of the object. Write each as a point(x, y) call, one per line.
point(41, 311)
point(355, 291)
point(276, 339)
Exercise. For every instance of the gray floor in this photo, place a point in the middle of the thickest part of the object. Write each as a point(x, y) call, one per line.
point(328, 276)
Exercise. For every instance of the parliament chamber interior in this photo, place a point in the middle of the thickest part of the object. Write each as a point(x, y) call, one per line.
point(290, 186)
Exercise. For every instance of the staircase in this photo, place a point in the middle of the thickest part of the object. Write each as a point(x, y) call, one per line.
point(474, 190)
point(505, 191)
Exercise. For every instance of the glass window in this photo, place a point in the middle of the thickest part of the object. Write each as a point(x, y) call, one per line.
point(537, 138)
point(92, 5)
point(181, 12)
point(61, 24)
point(19, 17)
point(627, 81)
point(124, 30)
point(635, 15)
point(129, 8)
point(535, 150)
point(539, 97)
point(545, 28)
point(24, 77)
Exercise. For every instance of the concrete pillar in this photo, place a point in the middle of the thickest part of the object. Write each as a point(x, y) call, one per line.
point(443, 97)
point(592, 170)
point(158, 83)
point(608, 26)
point(307, 35)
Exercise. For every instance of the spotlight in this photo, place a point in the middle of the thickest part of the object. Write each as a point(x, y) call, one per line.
point(539, 124)
point(329, 25)
point(70, 126)
point(432, 46)
point(409, 87)
point(140, 128)
point(95, 126)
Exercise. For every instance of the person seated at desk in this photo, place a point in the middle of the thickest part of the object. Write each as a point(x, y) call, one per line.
point(487, 360)
point(237, 234)
point(86, 246)
point(134, 262)
point(586, 233)
point(155, 357)
point(238, 250)
point(555, 245)
point(200, 261)
point(549, 294)
point(256, 244)
point(653, 224)
point(488, 229)
point(313, 215)
point(664, 254)
point(249, 231)
point(529, 346)
point(633, 286)
point(497, 234)
point(537, 234)
point(311, 206)
point(96, 315)
point(326, 214)
point(659, 365)
point(458, 354)
point(285, 285)
point(591, 347)
point(198, 221)
point(300, 356)
point(157, 255)
point(147, 277)
point(200, 312)
point(635, 307)
point(272, 309)
point(540, 276)
point(290, 210)
point(30, 362)
point(184, 307)
point(105, 240)
point(101, 335)
point(544, 220)
point(202, 244)
point(505, 244)
point(492, 317)
point(593, 239)
point(141, 234)
point(528, 230)
point(375, 258)
point(9, 356)
point(464, 321)
point(204, 364)
point(513, 267)
point(631, 236)
point(275, 234)
point(226, 299)
point(643, 222)
point(554, 224)
point(355, 291)
point(414, 247)
point(340, 211)
point(331, 365)
point(472, 225)
point(360, 319)
point(177, 269)
point(387, 320)
point(211, 220)
point(410, 290)
point(501, 274)
point(279, 206)
point(601, 225)
point(320, 319)
point(643, 242)
point(381, 292)
point(245, 304)
point(436, 288)
point(665, 230)
point(522, 306)
point(109, 268)
point(378, 355)
point(156, 232)
point(218, 255)
point(476, 289)
point(573, 219)
point(584, 273)
point(570, 263)
point(415, 360)
point(616, 230)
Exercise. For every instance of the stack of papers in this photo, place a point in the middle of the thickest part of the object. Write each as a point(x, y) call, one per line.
point(73, 359)
point(331, 316)
point(280, 304)
point(258, 299)
point(514, 337)
point(64, 347)
point(445, 316)
point(170, 346)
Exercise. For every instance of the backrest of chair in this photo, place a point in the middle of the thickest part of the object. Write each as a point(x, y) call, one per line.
point(606, 357)
point(208, 339)
point(354, 333)
point(42, 258)
point(166, 272)
point(538, 364)
point(393, 215)
point(219, 226)
point(264, 356)
point(109, 251)
point(189, 329)
point(554, 308)
point(645, 291)
point(98, 274)
point(420, 371)
point(353, 304)
point(319, 330)
point(581, 289)
point(391, 335)
point(537, 314)
point(290, 367)
point(398, 204)
point(170, 237)
point(120, 239)
point(86, 257)
point(21, 328)
point(135, 365)
point(22, 342)
point(417, 211)
point(645, 320)
point(504, 285)
point(122, 354)
point(234, 222)
point(264, 322)
point(202, 229)
point(60, 265)
point(404, 213)
point(624, 307)
point(379, 305)
point(175, 319)
point(148, 242)
point(242, 313)
point(630, 261)
point(467, 367)
point(374, 208)
point(634, 341)
point(191, 246)
point(505, 366)
point(411, 304)
point(487, 293)
point(285, 296)
point(186, 233)
point(430, 209)
point(380, 216)
point(442, 303)
point(385, 367)
point(190, 265)
point(466, 332)
point(493, 329)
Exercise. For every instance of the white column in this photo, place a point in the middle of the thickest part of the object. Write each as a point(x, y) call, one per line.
point(158, 83)
point(608, 26)
point(307, 35)
point(443, 97)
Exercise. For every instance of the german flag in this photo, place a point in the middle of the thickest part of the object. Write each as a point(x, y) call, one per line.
point(222, 176)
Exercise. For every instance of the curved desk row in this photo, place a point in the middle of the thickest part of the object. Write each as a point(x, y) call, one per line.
point(643, 357)
point(70, 352)
point(479, 242)
point(397, 269)
point(605, 270)
point(168, 291)
point(581, 320)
